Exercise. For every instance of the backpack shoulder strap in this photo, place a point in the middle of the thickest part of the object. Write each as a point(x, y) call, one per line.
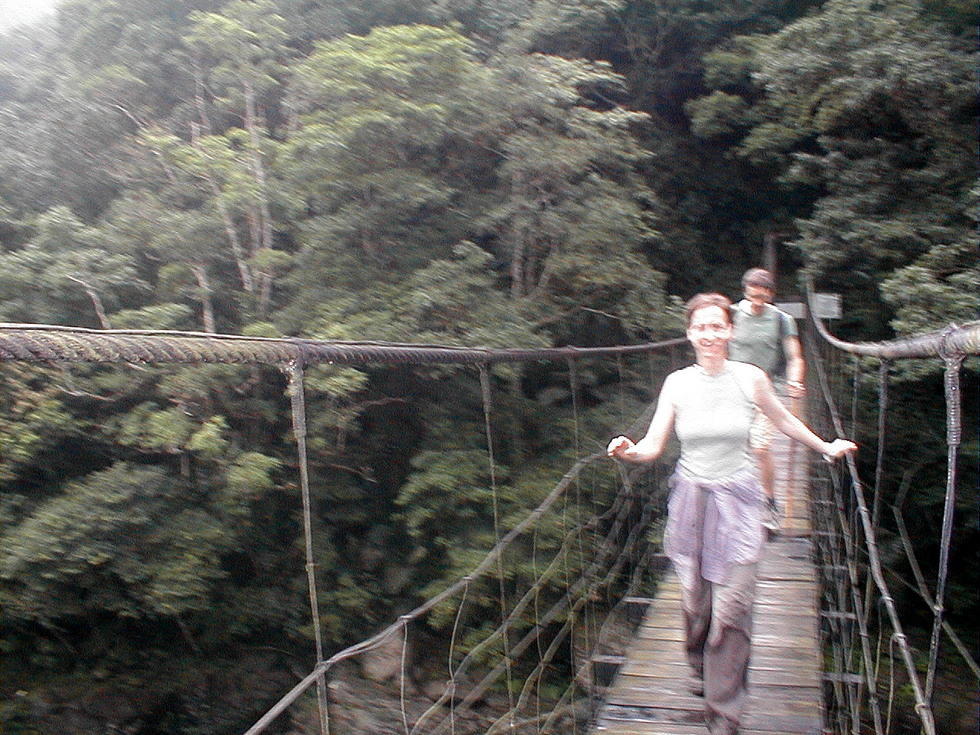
point(738, 315)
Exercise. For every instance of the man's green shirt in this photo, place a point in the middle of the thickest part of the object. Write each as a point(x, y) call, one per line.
point(759, 339)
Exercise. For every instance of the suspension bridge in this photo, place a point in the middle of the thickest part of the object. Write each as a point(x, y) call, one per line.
point(600, 652)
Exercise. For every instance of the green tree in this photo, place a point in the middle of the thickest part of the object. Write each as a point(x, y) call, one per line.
point(570, 217)
point(714, 212)
point(406, 145)
point(33, 419)
point(64, 275)
point(45, 116)
point(246, 40)
point(871, 108)
point(109, 544)
point(373, 157)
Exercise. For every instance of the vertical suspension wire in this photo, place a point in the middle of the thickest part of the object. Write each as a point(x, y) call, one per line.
point(538, 643)
point(860, 605)
point(492, 461)
point(298, 402)
point(572, 638)
point(854, 520)
point(861, 653)
point(573, 383)
point(403, 674)
point(452, 647)
point(838, 586)
point(869, 604)
point(621, 376)
point(652, 370)
point(621, 371)
point(826, 543)
point(848, 591)
point(882, 427)
point(855, 384)
point(953, 361)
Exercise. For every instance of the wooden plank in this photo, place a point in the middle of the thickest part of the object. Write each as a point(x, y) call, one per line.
point(668, 694)
point(662, 728)
point(654, 669)
point(798, 677)
point(634, 727)
point(638, 727)
point(783, 640)
point(774, 659)
point(660, 634)
point(641, 713)
point(775, 615)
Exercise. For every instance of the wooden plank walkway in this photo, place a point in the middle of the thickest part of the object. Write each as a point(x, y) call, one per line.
point(792, 486)
point(649, 694)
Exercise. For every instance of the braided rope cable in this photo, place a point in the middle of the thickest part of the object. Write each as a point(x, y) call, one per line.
point(501, 585)
point(952, 340)
point(44, 343)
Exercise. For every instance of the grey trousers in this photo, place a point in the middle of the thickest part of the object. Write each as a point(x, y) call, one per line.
point(718, 634)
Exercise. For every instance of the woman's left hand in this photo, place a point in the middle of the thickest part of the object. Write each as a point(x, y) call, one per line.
point(838, 448)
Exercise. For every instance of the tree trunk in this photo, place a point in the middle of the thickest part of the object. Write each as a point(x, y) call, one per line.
point(244, 272)
point(207, 308)
point(264, 223)
point(96, 301)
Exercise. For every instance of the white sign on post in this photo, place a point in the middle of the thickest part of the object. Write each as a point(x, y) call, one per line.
point(825, 306)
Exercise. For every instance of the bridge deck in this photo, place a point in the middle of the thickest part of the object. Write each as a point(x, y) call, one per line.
point(649, 695)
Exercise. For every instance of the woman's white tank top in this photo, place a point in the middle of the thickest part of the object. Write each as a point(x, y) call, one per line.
point(712, 416)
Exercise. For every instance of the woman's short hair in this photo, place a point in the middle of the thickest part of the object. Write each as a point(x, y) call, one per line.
point(703, 300)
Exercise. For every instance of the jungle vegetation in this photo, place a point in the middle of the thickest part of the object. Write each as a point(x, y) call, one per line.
point(510, 173)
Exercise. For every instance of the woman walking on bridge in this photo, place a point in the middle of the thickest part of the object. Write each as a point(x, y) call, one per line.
point(714, 533)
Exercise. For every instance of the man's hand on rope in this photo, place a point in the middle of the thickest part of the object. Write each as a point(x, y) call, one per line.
point(795, 389)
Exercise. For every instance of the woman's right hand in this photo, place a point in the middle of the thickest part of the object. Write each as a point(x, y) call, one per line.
point(618, 446)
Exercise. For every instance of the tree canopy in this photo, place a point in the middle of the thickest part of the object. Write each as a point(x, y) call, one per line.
point(498, 174)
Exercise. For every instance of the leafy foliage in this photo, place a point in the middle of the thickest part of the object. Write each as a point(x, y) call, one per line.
point(868, 104)
point(105, 544)
point(501, 174)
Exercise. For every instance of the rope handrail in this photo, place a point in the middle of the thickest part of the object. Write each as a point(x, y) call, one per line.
point(46, 343)
point(953, 339)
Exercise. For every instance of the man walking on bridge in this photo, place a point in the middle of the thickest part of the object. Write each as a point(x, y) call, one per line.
point(767, 337)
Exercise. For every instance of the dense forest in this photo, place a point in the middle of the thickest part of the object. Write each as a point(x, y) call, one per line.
point(514, 173)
